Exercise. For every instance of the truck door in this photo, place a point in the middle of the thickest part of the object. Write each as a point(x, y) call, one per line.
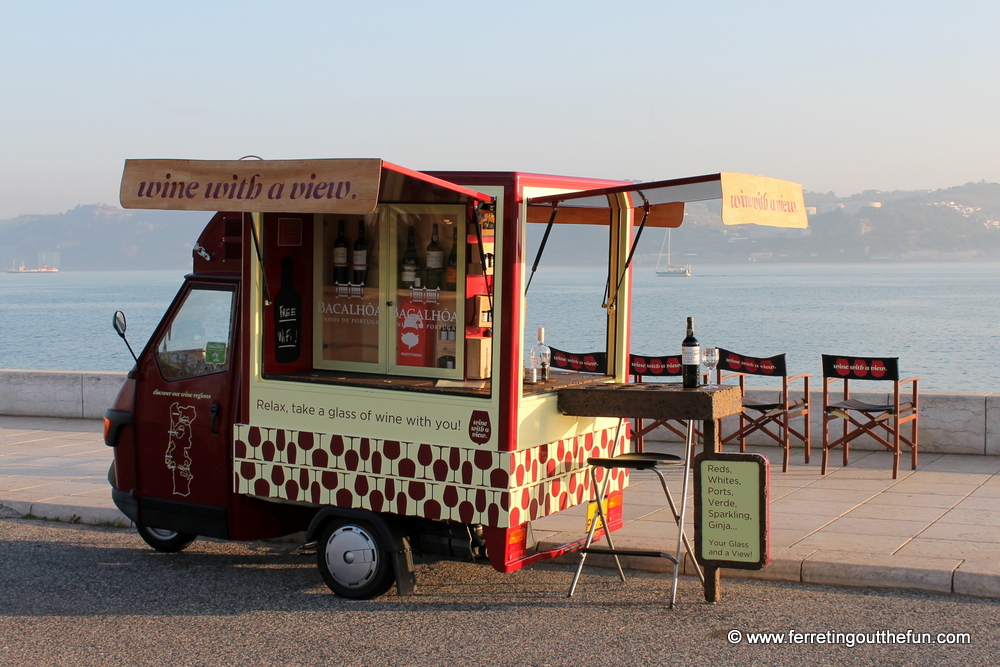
point(184, 413)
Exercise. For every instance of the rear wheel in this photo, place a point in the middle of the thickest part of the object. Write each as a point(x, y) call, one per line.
point(169, 541)
point(353, 560)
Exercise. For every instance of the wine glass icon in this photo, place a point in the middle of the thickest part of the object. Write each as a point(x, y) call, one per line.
point(710, 357)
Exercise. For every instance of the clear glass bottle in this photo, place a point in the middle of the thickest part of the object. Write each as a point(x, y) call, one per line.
point(541, 357)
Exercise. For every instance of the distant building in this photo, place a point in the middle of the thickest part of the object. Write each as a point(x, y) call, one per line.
point(849, 207)
point(853, 207)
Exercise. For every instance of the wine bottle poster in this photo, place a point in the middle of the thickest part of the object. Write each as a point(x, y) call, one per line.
point(288, 316)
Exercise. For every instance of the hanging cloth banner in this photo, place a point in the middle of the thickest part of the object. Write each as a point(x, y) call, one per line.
point(759, 200)
point(586, 362)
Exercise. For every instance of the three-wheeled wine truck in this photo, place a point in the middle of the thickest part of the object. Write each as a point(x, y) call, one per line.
point(346, 358)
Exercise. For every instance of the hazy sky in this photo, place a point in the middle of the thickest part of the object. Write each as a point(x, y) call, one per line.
point(841, 96)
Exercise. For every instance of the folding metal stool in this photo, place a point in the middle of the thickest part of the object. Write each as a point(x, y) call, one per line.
point(640, 461)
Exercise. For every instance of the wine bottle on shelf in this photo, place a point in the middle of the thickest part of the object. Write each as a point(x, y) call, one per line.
point(409, 265)
point(359, 258)
point(435, 260)
point(451, 274)
point(541, 357)
point(340, 276)
point(287, 316)
point(690, 357)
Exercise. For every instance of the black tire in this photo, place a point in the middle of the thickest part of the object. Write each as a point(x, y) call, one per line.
point(353, 559)
point(168, 541)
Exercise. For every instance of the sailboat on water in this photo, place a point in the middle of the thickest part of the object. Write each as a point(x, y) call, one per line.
point(670, 271)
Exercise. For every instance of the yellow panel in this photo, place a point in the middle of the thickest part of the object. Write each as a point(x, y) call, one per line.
point(758, 200)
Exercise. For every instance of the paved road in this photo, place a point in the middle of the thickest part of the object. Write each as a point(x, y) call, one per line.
point(82, 595)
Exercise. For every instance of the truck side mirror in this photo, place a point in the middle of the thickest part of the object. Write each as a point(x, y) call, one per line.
point(120, 325)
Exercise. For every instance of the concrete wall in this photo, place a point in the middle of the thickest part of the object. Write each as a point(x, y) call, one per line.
point(950, 422)
point(58, 393)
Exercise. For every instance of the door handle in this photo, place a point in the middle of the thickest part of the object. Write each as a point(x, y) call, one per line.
point(216, 411)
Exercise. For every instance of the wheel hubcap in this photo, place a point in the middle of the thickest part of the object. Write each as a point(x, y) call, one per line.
point(352, 556)
point(162, 533)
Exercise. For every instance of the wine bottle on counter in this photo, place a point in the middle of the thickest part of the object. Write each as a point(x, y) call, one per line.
point(690, 357)
point(451, 274)
point(409, 265)
point(359, 259)
point(340, 276)
point(435, 260)
point(287, 316)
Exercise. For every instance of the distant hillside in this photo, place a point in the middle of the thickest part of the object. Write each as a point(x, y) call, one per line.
point(961, 222)
point(958, 223)
point(101, 237)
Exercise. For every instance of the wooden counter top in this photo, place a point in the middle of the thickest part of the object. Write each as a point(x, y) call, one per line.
point(651, 400)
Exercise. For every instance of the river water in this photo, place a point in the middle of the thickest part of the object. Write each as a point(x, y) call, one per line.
point(939, 319)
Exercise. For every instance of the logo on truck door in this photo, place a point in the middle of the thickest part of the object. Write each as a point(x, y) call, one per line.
point(178, 456)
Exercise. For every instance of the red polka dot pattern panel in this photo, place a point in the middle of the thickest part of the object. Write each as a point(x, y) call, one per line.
point(418, 479)
point(555, 476)
point(436, 463)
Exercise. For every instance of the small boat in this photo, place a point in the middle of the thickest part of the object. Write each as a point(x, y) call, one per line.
point(670, 270)
point(42, 269)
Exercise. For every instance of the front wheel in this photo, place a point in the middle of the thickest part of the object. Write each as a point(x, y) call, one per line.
point(353, 560)
point(168, 541)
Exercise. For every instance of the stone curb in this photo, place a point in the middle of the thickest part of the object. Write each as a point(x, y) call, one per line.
point(96, 516)
point(978, 578)
point(934, 575)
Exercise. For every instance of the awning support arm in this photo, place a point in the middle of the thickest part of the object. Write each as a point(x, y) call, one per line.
point(610, 300)
point(260, 257)
point(541, 247)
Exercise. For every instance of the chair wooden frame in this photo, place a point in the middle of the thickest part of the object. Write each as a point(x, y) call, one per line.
point(773, 419)
point(883, 422)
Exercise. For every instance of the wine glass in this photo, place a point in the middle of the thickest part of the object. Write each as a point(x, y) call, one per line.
point(710, 357)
